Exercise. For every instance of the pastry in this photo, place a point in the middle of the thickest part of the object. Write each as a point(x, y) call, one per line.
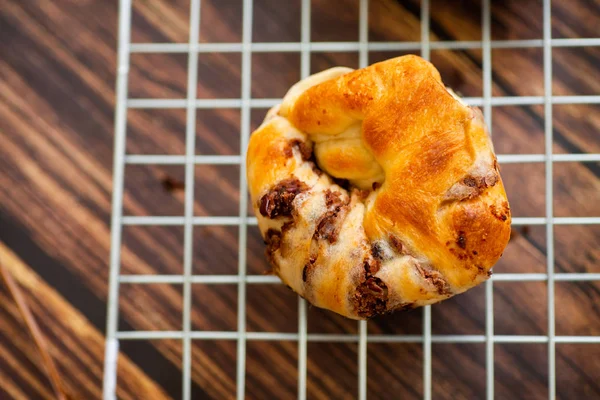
point(377, 189)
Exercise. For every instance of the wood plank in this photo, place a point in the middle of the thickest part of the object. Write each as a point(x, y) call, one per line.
point(74, 343)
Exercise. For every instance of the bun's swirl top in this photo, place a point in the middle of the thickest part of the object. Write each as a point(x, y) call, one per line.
point(377, 189)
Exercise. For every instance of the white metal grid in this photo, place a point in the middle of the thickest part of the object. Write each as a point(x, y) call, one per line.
point(247, 47)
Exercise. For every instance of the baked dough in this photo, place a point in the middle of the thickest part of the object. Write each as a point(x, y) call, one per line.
point(377, 189)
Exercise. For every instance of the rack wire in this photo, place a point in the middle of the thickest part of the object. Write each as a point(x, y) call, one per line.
point(247, 47)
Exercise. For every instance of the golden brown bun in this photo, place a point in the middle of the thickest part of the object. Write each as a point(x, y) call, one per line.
point(421, 213)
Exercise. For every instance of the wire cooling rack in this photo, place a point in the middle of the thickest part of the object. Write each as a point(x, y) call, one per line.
point(245, 104)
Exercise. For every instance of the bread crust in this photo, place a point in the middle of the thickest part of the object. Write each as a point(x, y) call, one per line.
point(425, 215)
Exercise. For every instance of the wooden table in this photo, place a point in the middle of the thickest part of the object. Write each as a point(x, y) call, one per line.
point(57, 78)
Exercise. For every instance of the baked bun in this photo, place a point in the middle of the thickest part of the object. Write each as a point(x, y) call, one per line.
point(377, 189)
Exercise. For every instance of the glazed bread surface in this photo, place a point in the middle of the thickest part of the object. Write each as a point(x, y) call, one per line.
point(377, 189)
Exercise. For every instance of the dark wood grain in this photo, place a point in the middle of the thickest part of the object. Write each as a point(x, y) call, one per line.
point(57, 78)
